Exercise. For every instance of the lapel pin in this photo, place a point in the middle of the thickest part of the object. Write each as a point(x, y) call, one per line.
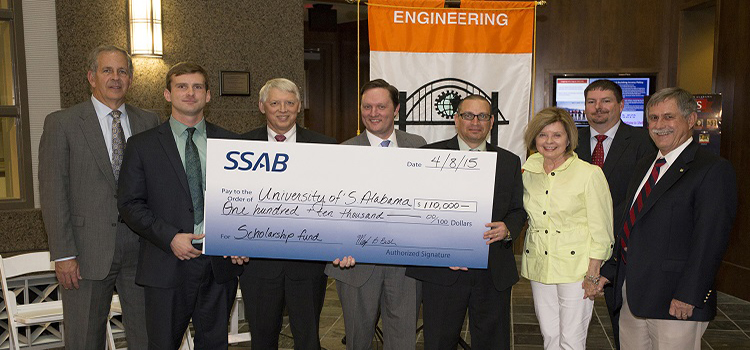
point(682, 170)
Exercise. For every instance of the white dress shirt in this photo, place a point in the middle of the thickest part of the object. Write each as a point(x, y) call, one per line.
point(291, 135)
point(375, 141)
point(607, 143)
point(670, 158)
point(105, 122)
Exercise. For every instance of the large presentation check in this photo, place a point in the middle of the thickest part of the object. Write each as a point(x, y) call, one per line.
point(321, 202)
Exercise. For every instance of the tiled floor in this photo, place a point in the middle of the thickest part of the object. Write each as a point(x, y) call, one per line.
point(730, 330)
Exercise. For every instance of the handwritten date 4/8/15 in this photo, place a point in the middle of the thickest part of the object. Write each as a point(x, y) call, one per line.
point(454, 162)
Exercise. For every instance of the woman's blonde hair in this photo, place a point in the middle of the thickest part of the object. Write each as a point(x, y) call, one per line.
point(547, 116)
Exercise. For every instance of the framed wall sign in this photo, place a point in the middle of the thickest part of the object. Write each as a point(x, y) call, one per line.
point(234, 83)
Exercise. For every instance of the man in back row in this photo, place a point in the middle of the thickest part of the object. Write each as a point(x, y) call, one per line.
point(369, 290)
point(615, 147)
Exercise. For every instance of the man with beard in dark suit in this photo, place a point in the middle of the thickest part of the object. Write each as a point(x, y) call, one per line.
point(615, 147)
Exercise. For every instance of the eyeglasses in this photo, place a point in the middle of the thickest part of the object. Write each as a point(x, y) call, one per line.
point(470, 116)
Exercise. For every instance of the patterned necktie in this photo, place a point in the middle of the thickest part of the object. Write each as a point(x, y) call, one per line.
point(118, 143)
point(638, 205)
point(597, 158)
point(194, 177)
point(280, 138)
point(385, 143)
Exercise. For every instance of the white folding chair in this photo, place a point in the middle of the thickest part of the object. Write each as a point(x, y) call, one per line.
point(39, 313)
point(116, 310)
point(234, 322)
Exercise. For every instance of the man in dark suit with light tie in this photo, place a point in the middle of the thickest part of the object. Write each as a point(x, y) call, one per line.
point(80, 155)
point(615, 147)
point(369, 290)
point(447, 293)
point(161, 193)
point(683, 201)
point(268, 284)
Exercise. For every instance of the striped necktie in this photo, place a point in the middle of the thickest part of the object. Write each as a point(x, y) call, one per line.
point(638, 205)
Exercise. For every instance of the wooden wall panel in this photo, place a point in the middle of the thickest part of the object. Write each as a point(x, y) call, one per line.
point(599, 36)
point(642, 36)
point(219, 35)
point(347, 118)
point(733, 81)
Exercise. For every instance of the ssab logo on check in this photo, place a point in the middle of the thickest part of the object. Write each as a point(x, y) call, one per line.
point(244, 161)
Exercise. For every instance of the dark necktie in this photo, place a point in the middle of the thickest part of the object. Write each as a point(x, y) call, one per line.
point(638, 205)
point(195, 179)
point(385, 143)
point(280, 138)
point(597, 158)
point(118, 143)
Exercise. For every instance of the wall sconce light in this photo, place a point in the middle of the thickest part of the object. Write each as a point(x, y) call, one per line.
point(145, 28)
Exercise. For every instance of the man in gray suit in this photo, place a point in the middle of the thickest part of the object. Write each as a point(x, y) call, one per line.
point(368, 288)
point(80, 154)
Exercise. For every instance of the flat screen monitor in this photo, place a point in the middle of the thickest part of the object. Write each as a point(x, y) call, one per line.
point(567, 93)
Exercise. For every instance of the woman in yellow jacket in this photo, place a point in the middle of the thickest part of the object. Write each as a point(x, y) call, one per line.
point(570, 229)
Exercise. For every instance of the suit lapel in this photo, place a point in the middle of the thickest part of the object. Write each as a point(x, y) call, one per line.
point(453, 143)
point(210, 130)
point(616, 150)
point(401, 140)
point(170, 148)
point(92, 132)
point(363, 140)
point(675, 172)
point(137, 124)
point(262, 134)
point(584, 144)
point(302, 135)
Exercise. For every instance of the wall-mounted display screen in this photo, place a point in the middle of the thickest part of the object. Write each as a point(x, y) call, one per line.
point(567, 93)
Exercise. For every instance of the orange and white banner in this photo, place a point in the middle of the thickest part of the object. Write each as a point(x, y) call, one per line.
point(436, 55)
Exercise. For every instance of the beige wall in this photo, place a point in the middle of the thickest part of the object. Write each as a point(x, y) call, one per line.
point(695, 58)
point(263, 37)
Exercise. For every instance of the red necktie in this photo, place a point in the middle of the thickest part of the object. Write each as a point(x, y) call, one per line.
point(597, 158)
point(638, 205)
point(280, 137)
